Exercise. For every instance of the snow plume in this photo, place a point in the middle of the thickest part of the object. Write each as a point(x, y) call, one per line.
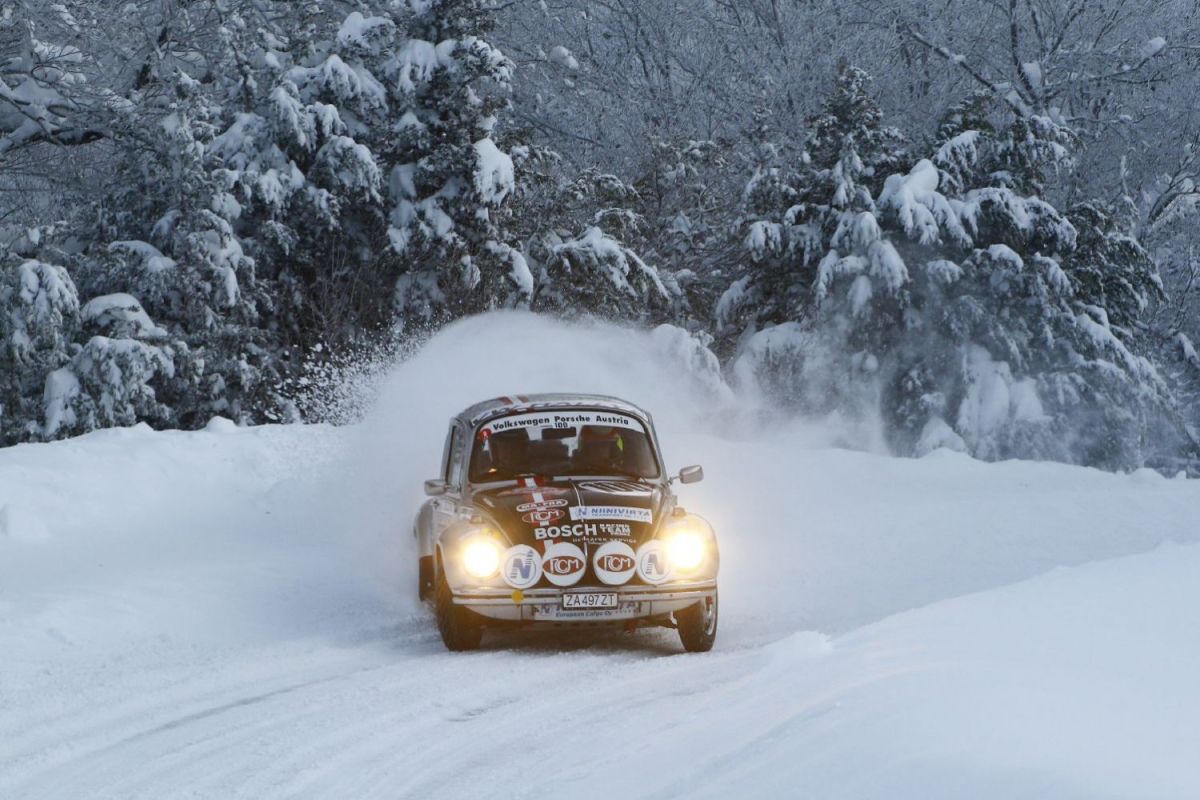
point(789, 376)
point(666, 370)
point(340, 386)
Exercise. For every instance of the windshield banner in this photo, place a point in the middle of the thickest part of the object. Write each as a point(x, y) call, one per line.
point(559, 419)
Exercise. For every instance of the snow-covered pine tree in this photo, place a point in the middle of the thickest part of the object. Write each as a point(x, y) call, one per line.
point(769, 290)
point(264, 230)
point(950, 297)
point(448, 179)
point(168, 237)
point(811, 224)
point(39, 315)
point(980, 298)
point(575, 230)
point(312, 163)
point(687, 202)
point(108, 382)
point(1004, 343)
point(1109, 387)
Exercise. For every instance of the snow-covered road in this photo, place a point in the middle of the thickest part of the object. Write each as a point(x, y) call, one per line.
point(231, 613)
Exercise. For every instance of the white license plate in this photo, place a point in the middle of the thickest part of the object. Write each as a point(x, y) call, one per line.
point(590, 600)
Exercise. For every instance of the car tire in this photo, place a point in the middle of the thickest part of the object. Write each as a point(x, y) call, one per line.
point(697, 625)
point(461, 629)
point(424, 578)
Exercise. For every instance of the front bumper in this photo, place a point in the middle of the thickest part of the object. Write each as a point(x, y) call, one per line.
point(545, 605)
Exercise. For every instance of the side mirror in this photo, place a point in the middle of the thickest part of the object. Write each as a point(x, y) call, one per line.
point(692, 474)
point(435, 486)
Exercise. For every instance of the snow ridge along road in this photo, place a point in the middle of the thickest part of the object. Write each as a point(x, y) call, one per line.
point(231, 613)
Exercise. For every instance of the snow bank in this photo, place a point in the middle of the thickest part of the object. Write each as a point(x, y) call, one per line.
point(1079, 684)
point(136, 527)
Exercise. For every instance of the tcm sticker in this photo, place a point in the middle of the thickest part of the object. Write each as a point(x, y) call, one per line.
point(522, 566)
point(652, 564)
point(614, 563)
point(563, 564)
point(542, 516)
point(623, 513)
point(540, 506)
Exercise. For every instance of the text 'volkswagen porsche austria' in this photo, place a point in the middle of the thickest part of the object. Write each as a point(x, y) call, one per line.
point(557, 509)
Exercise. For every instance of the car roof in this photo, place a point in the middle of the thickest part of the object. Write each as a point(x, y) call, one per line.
point(499, 406)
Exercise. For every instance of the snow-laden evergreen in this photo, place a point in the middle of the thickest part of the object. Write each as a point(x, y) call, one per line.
point(447, 177)
point(577, 233)
point(965, 310)
point(39, 312)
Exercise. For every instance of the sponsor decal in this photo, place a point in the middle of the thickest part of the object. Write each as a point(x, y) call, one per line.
point(542, 506)
point(581, 530)
point(521, 566)
point(652, 564)
point(558, 419)
point(542, 516)
point(625, 513)
point(614, 563)
point(628, 488)
point(563, 563)
point(532, 492)
point(548, 611)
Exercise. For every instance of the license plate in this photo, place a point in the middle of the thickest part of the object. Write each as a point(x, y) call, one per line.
point(590, 600)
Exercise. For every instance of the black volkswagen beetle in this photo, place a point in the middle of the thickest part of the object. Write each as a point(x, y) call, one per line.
point(557, 509)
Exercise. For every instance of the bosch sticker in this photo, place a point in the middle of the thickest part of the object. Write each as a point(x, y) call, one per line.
point(581, 530)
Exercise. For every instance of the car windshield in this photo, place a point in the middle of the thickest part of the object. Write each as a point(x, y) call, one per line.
point(566, 443)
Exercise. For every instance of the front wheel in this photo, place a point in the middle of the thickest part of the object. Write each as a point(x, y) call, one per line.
point(460, 628)
point(697, 625)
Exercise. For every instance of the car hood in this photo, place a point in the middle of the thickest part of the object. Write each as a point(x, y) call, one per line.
point(583, 511)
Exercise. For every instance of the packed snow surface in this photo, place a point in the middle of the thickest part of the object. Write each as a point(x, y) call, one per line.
point(231, 613)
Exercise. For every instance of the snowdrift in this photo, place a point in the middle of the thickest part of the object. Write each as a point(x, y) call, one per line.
point(231, 612)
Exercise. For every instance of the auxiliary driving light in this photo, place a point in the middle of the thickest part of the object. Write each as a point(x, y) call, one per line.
point(481, 558)
point(685, 550)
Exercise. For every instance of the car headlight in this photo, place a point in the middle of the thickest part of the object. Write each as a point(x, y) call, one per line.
point(481, 558)
point(686, 550)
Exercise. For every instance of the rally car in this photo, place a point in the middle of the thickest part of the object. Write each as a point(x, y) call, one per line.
point(557, 509)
